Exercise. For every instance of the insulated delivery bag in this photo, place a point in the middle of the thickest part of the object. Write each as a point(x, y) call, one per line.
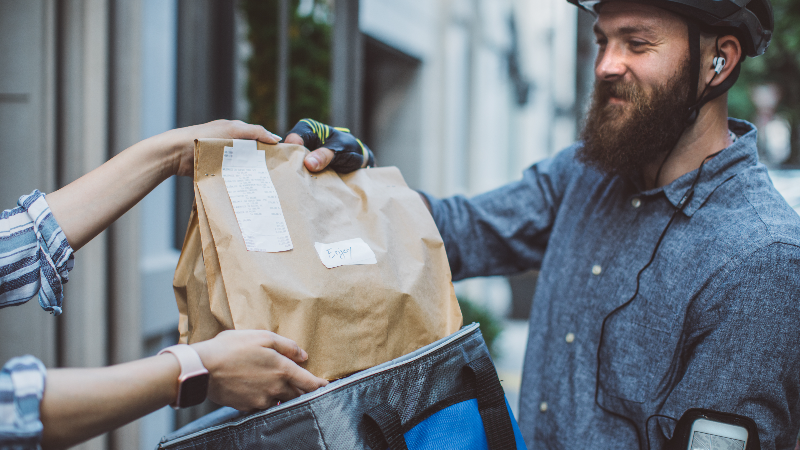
point(444, 396)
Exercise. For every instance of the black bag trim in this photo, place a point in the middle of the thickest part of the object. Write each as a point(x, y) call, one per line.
point(384, 429)
point(492, 404)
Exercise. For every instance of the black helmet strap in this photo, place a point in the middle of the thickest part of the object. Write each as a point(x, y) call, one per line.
point(708, 94)
point(694, 66)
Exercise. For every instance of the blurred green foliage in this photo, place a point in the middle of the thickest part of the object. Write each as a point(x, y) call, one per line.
point(491, 326)
point(309, 62)
point(779, 65)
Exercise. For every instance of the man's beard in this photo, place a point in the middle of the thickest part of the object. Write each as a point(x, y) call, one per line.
point(624, 139)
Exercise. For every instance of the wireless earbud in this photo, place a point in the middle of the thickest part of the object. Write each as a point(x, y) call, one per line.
point(719, 64)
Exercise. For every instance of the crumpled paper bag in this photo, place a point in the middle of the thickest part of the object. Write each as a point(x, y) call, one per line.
point(347, 318)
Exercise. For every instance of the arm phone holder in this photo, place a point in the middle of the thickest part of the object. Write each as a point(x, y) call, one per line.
point(682, 434)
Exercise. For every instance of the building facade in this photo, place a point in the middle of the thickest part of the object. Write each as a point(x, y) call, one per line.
point(461, 95)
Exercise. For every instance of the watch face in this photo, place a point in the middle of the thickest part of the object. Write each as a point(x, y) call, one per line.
point(193, 391)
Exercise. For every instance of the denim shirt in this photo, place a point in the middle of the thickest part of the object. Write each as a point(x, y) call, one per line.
point(716, 322)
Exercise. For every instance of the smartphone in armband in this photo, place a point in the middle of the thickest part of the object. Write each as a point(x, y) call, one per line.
point(708, 434)
point(703, 429)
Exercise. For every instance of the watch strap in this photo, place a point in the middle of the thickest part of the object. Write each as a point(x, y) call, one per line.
point(191, 366)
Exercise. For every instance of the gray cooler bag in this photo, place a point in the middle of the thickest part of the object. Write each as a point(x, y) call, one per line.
point(443, 396)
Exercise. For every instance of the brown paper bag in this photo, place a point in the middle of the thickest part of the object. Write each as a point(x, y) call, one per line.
point(348, 318)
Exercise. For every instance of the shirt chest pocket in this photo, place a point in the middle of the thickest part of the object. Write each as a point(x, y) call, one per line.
point(638, 349)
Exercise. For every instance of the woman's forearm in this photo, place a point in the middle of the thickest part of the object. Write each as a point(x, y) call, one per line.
point(79, 404)
point(87, 206)
point(248, 369)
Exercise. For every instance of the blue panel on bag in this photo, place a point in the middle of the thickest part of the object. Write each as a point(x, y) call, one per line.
point(457, 427)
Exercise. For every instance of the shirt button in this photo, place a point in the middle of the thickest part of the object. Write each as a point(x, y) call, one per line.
point(570, 338)
point(596, 269)
point(636, 202)
point(543, 407)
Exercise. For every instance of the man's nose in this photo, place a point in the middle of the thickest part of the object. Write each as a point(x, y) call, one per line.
point(610, 65)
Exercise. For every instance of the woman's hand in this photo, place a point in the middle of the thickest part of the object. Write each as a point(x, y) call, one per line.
point(182, 140)
point(253, 369)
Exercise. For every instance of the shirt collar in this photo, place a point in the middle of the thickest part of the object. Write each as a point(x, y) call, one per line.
point(741, 154)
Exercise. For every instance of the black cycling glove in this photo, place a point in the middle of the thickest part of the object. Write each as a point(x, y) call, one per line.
point(350, 154)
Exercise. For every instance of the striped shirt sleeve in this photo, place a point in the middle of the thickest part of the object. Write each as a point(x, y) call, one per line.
point(35, 257)
point(21, 387)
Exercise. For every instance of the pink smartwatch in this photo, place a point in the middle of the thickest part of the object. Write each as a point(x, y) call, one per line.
point(193, 380)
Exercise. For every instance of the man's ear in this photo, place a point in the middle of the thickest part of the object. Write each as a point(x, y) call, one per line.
point(731, 50)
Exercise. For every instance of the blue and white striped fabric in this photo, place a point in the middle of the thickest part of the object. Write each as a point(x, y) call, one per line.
point(21, 388)
point(35, 257)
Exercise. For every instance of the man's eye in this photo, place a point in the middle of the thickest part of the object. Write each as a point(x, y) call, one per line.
point(637, 44)
point(601, 42)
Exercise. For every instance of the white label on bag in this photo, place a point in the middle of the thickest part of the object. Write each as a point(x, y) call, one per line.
point(254, 199)
point(345, 253)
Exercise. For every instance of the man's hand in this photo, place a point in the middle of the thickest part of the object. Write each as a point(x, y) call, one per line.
point(330, 146)
point(252, 369)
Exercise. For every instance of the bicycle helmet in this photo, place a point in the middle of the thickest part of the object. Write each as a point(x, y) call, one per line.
point(749, 20)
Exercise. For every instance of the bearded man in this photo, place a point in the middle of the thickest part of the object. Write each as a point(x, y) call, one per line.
point(670, 266)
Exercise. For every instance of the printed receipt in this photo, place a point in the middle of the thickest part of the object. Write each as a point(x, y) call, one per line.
point(345, 253)
point(254, 199)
